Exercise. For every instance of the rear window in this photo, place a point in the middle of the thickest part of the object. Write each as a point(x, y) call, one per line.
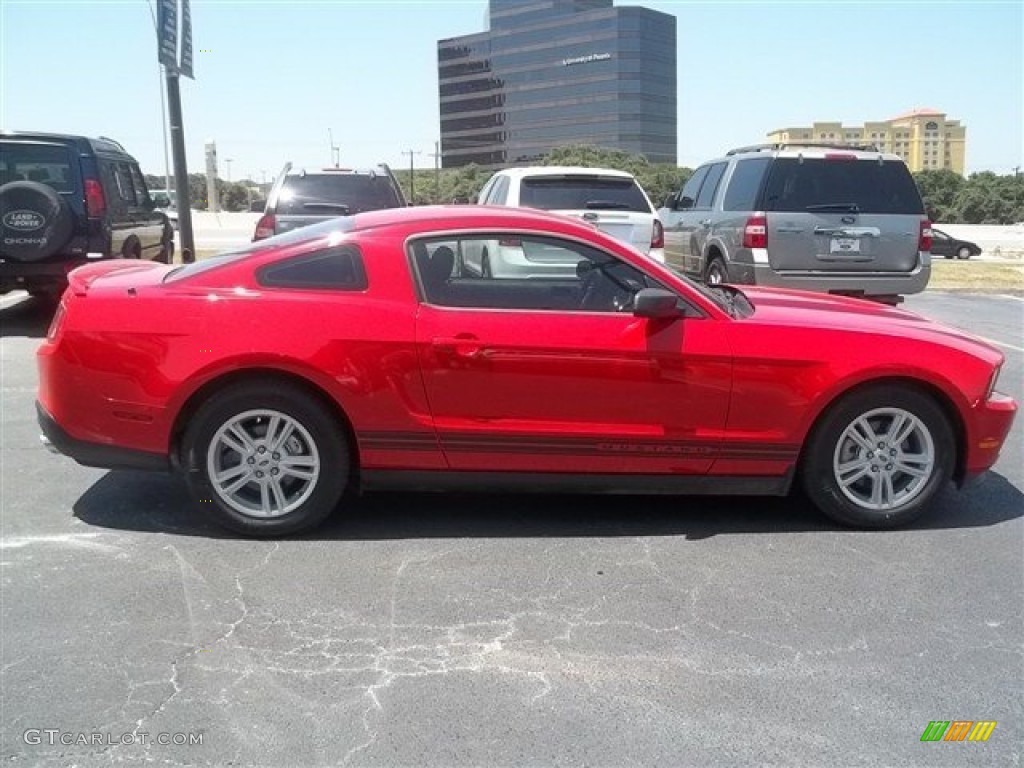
point(795, 185)
point(325, 194)
point(47, 164)
point(567, 193)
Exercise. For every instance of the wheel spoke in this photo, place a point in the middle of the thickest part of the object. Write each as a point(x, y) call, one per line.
point(282, 437)
point(278, 492)
point(238, 484)
point(853, 471)
point(888, 492)
point(877, 493)
point(863, 434)
point(265, 502)
point(272, 426)
point(901, 431)
point(229, 474)
point(901, 465)
point(242, 440)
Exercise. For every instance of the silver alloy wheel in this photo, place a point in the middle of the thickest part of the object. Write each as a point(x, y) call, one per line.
point(964, 253)
point(263, 463)
point(884, 459)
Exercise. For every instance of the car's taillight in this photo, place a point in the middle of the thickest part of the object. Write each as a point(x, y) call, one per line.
point(264, 227)
point(658, 235)
point(755, 233)
point(924, 241)
point(56, 323)
point(510, 242)
point(95, 201)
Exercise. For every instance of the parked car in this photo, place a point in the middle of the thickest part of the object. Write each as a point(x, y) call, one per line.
point(610, 200)
point(300, 197)
point(355, 355)
point(166, 202)
point(66, 200)
point(949, 246)
point(842, 219)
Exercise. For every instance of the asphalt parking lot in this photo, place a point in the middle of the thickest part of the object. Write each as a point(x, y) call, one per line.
point(503, 631)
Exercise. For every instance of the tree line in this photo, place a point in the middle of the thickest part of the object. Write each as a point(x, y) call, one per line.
point(981, 198)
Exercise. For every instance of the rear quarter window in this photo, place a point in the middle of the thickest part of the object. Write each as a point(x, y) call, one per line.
point(559, 193)
point(795, 184)
point(336, 269)
point(745, 183)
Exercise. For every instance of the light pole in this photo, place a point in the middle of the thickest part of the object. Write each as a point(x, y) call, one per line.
point(227, 162)
point(163, 106)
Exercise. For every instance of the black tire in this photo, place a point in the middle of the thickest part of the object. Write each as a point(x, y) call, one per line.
point(166, 253)
point(964, 253)
point(320, 425)
point(716, 272)
point(35, 221)
point(948, 256)
point(818, 472)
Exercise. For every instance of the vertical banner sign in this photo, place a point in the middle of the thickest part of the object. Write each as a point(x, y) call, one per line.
point(167, 34)
point(186, 39)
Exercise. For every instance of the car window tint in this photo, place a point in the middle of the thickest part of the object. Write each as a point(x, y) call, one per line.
point(141, 193)
point(500, 192)
point(692, 186)
point(47, 165)
point(568, 193)
point(741, 194)
point(874, 187)
point(485, 193)
point(323, 194)
point(335, 269)
point(526, 273)
point(123, 180)
point(710, 186)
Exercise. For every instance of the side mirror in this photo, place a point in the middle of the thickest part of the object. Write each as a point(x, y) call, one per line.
point(656, 303)
point(670, 202)
point(684, 203)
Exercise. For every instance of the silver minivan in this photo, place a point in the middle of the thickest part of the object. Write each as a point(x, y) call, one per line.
point(838, 219)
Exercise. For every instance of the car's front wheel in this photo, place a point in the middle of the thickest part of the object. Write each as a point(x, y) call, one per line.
point(879, 457)
point(266, 460)
point(964, 253)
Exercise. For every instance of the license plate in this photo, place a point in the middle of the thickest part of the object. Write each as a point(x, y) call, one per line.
point(845, 245)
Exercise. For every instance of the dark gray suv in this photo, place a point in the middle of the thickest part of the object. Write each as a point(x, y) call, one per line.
point(839, 219)
point(300, 197)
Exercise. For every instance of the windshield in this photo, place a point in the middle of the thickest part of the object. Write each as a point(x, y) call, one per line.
point(323, 230)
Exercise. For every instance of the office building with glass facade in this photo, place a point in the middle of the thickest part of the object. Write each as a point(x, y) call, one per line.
point(553, 72)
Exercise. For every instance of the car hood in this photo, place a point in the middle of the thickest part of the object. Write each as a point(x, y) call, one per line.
point(778, 306)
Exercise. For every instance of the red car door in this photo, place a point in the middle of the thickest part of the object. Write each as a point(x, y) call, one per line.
point(547, 374)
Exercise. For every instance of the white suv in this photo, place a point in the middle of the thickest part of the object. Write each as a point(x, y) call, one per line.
point(610, 200)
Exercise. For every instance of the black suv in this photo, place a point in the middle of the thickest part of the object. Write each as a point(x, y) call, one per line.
point(69, 200)
point(301, 197)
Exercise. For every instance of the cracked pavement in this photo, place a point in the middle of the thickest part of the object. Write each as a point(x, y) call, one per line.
point(427, 630)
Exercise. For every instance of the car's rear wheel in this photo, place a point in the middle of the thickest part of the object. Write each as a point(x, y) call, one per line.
point(267, 460)
point(716, 273)
point(879, 456)
point(166, 254)
point(964, 253)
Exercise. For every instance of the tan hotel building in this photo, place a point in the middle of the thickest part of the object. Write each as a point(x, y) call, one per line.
point(924, 138)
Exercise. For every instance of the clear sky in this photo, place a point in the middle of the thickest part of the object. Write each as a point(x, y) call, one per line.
point(272, 77)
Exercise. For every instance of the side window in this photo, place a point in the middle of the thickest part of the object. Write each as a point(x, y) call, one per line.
point(141, 193)
point(741, 194)
point(337, 269)
point(500, 192)
point(688, 197)
point(486, 191)
point(710, 186)
point(123, 180)
point(525, 273)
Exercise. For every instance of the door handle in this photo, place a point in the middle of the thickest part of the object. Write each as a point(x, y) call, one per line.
point(467, 346)
point(706, 223)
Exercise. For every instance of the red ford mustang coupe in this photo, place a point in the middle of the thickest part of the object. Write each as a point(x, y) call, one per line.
point(359, 354)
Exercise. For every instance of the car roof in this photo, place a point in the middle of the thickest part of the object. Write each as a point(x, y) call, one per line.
point(380, 170)
point(809, 151)
point(563, 170)
point(81, 143)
